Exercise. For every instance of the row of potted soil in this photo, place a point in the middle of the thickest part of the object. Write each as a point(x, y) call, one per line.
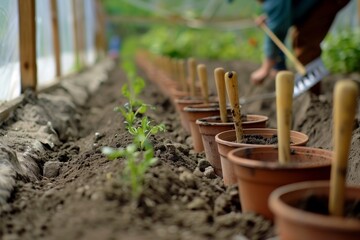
point(253, 164)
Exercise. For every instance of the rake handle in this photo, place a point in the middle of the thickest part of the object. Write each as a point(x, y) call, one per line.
point(298, 65)
point(345, 101)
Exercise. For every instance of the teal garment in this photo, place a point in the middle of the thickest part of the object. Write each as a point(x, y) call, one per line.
point(281, 15)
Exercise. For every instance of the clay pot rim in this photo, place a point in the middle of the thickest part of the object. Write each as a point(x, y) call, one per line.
point(280, 208)
point(259, 164)
point(198, 99)
point(203, 121)
point(247, 130)
point(202, 107)
point(189, 99)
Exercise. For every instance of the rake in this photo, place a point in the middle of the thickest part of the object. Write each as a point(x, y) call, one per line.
point(306, 77)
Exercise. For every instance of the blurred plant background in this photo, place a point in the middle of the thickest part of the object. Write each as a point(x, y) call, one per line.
point(216, 29)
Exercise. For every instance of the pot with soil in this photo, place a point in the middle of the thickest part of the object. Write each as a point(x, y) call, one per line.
point(195, 112)
point(253, 137)
point(324, 210)
point(258, 172)
point(196, 94)
point(186, 101)
point(301, 212)
point(258, 137)
point(210, 126)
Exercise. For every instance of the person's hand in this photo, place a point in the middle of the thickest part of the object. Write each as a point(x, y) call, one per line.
point(260, 20)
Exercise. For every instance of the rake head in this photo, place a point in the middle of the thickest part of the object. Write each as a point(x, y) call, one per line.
point(315, 72)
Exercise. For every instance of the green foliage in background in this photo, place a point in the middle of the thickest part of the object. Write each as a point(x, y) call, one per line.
point(121, 7)
point(184, 8)
point(341, 51)
point(206, 44)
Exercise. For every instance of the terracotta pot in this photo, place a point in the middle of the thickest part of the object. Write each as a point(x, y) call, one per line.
point(226, 141)
point(195, 112)
point(178, 93)
point(180, 104)
point(186, 101)
point(258, 172)
point(296, 224)
point(210, 126)
point(167, 86)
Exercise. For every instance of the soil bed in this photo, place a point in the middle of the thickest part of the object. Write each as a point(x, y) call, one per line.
point(86, 198)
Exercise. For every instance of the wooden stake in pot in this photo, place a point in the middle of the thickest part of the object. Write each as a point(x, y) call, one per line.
point(284, 96)
point(219, 74)
point(201, 70)
point(174, 70)
point(181, 68)
point(232, 89)
point(345, 101)
point(192, 75)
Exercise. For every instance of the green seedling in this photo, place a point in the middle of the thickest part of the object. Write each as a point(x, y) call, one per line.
point(139, 154)
point(142, 128)
point(132, 90)
point(143, 132)
point(131, 116)
point(136, 164)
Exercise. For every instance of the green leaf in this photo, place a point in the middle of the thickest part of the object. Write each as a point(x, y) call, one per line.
point(139, 85)
point(142, 109)
point(112, 153)
point(125, 91)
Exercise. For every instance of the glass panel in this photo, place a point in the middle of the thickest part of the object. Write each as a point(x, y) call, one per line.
point(9, 50)
point(66, 30)
point(44, 44)
point(347, 18)
point(90, 21)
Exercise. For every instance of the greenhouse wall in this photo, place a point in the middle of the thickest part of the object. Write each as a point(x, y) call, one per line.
point(9, 50)
point(44, 44)
point(66, 31)
point(90, 29)
point(348, 18)
point(50, 50)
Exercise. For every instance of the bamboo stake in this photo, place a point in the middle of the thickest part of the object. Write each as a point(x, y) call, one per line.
point(232, 89)
point(181, 68)
point(192, 75)
point(168, 66)
point(345, 101)
point(174, 70)
point(284, 97)
point(219, 74)
point(201, 70)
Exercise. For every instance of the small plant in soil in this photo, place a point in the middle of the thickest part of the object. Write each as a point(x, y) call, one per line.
point(140, 128)
point(139, 155)
point(136, 164)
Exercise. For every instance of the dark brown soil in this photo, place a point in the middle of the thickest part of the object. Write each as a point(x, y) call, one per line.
point(87, 198)
point(261, 140)
point(319, 204)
